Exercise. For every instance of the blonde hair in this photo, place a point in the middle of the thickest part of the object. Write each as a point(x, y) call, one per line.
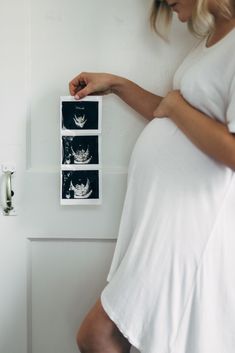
point(201, 22)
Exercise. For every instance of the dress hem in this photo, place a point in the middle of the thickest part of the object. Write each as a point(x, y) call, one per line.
point(107, 308)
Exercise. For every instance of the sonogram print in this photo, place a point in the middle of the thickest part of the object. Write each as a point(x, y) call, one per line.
point(80, 150)
point(80, 184)
point(80, 115)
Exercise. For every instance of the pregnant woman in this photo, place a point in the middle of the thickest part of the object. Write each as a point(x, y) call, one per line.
point(171, 284)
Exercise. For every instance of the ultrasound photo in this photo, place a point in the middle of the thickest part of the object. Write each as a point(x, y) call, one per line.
point(80, 143)
point(80, 150)
point(80, 185)
point(80, 115)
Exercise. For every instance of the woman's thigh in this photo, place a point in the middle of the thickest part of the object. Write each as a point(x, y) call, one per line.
point(97, 330)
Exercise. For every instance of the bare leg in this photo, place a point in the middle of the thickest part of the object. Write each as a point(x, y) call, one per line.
point(99, 334)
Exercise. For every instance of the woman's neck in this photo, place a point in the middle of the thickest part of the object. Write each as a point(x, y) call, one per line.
point(222, 27)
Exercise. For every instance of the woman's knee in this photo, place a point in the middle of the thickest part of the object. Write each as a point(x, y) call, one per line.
point(81, 341)
point(89, 340)
point(95, 329)
point(98, 331)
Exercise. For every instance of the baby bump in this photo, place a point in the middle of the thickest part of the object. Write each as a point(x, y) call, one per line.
point(157, 133)
point(157, 130)
point(164, 154)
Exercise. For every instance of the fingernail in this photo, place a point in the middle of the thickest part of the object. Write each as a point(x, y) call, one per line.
point(76, 97)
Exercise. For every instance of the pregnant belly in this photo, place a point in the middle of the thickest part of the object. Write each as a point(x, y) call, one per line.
point(163, 155)
point(174, 194)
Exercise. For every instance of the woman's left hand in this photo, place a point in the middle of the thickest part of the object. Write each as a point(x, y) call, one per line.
point(168, 104)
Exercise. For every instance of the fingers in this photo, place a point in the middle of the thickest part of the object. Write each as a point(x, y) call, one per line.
point(83, 92)
point(78, 83)
point(88, 84)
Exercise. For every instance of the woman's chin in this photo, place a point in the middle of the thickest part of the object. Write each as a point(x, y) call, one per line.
point(183, 18)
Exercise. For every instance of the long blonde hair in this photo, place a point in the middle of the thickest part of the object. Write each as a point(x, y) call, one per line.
point(201, 22)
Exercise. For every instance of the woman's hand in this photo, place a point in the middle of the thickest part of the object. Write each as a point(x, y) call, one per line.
point(132, 94)
point(168, 104)
point(91, 83)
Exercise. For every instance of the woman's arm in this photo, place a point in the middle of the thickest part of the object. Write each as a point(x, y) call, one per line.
point(142, 101)
point(211, 136)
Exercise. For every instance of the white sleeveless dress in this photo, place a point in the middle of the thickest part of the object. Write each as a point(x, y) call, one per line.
point(172, 279)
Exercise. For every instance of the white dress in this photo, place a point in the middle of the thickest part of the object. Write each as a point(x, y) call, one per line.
point(172, 279)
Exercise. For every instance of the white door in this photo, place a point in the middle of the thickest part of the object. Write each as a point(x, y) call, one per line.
point(54, 259)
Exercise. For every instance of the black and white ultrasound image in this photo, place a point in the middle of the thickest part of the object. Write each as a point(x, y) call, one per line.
point(82, 184)
point(80, 150)
point(81, 115)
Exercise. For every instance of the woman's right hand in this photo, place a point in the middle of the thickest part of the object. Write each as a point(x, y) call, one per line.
point(91, 83)
point(142, 101)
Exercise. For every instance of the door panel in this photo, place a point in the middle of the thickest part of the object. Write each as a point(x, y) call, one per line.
point(70, 37)
point(54, 259)
point(43, 214)
point(63, 287)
